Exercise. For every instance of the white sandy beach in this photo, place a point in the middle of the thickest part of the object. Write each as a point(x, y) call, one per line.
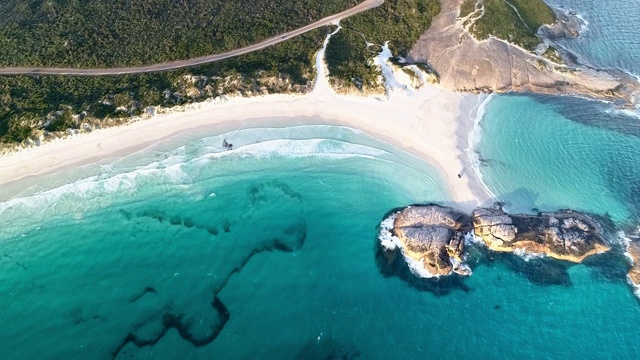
point(429, 123)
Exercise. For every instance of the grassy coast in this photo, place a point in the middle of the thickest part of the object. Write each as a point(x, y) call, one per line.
point(516, 21)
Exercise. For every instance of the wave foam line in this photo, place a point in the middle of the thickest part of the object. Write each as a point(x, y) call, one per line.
point(475, 135)
point(170, 170)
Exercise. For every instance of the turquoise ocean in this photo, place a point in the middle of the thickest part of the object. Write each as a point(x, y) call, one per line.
point(185, 250)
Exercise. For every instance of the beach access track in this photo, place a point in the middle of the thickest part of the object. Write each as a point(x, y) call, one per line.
point(329, 20)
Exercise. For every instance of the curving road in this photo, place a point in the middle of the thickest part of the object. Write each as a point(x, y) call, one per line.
point(333, 19)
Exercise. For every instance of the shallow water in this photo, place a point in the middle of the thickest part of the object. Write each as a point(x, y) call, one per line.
point(562, 153)
point(269, 251)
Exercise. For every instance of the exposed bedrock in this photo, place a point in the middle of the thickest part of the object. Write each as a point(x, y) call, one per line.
point(431, 239)
point(466, 64)
point(634, 273)
point(565, 235)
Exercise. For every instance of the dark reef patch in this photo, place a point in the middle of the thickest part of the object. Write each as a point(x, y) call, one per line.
point(147, 290)
point(539, 271)
point(268, 205)
point(610, 266)
point(172, 320)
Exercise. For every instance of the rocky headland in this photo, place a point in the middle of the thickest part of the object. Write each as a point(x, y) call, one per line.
point(493, 65)
point(431, 238)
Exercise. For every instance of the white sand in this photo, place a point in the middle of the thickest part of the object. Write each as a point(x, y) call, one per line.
point(431, 123)
point(423, 123)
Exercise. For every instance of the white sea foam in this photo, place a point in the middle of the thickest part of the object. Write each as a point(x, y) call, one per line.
point(418, 269)
point(624, 112)
point(386, 237)
point(460, 268)
point(474, 138)
point(626, 240)
point(169, 171)
point(93, 187)
point(527, 256)
point(471, 239)
point(321, 148)
point(583, 19)
point(391, 243)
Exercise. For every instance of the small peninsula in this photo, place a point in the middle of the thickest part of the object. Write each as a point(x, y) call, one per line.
point(469, 45)
point(431, 238)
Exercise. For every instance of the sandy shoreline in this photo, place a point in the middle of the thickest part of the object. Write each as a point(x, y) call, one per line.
point(431, 123)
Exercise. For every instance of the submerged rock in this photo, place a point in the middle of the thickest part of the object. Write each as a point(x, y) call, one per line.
point(431, 239)
point(565, 235)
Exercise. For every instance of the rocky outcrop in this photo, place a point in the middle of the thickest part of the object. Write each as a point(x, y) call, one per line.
point(565, 235)
point(431, 239)
point(466, 64)
point(633, 250)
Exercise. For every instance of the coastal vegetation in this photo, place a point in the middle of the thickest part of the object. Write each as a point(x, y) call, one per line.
point(74, 33)
point(30, 104)
point(400, 22)
point(516, 21)
point(101, 33)
point(553, 55)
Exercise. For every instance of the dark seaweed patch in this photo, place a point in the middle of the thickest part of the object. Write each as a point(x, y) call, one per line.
point(148, 332)
point(541, 271)
point(171, 320)
point(147, 290)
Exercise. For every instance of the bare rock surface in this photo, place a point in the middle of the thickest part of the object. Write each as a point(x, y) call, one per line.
point(565, 235)
point(634, 273)
point(466, 64)
point(432, 239)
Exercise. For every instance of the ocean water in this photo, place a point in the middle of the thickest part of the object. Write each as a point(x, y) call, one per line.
point(269, 251)
point(543, 153)
point(610, 39)
point(557, 152)
point(564, 152)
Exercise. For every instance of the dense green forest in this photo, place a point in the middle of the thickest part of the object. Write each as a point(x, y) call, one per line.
point(98, 33)
point(26, 101)
point(112, 33)
point(401, 22)
point(516, 21)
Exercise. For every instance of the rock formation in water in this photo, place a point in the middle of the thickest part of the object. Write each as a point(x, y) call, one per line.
point(466, 64)
point(431, 239)
point(633, 249)
point(565, 235)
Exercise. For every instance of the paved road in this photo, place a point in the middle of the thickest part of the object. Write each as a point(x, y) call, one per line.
point(366, 5)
